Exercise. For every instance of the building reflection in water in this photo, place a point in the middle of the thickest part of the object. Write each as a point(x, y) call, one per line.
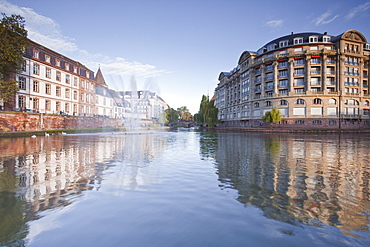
point(315, 180)
point(45, 172)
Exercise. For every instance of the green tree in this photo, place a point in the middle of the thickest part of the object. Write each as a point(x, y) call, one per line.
point(208, 113)
point(184, 113)
point(13, 42)
point(171, 115)
point(272, 116)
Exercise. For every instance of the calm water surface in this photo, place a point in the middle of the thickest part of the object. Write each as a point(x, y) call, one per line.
point(185, 189)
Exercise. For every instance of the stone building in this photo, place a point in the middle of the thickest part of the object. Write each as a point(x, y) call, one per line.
point(314, 79)
point(52, 83)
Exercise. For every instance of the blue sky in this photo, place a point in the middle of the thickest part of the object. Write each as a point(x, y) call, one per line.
point(176, 48)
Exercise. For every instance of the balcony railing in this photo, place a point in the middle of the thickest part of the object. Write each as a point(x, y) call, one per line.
point(330, 72)
point(330, 61)
point(315, 72)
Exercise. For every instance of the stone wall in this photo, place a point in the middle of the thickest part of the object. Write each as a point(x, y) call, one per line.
point(23, 122)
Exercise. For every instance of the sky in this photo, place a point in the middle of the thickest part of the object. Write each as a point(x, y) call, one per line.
point(176, 48)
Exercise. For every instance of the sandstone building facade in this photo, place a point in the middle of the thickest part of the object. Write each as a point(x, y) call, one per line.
point(314, 79)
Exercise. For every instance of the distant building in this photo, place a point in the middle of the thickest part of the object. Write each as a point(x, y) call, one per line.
point(313, 79)
point(52, 83)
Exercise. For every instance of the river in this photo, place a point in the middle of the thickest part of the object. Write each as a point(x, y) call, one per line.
point(185, 188)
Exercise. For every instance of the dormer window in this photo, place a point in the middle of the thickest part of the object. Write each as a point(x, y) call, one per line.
point(271, 47)
point(367, 46)
point(298, 40)
point(35, 54)
point(47, 58)
point(326, 39)
point(283, 43)
point(313, 39)
point(57, 62)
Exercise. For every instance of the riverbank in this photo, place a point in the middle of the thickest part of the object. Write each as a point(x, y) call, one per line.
point(292, 130)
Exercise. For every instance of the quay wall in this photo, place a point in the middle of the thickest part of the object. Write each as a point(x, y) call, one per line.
point(28, 122)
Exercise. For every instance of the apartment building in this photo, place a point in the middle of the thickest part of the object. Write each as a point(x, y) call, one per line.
point(314, 79)
point(52, 83)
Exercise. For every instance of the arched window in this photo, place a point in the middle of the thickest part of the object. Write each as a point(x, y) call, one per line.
point(268, 103)
point(300, 101)
point(366, 103)
point(332, 101)
point(317, 101)
point(283, 102)
point(256, 105)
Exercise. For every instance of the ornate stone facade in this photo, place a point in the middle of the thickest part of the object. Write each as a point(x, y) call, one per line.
point(315, 80)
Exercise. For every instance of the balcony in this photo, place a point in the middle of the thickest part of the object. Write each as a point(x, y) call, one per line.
point(315, 72)
point(298, 73)
point(269, 87)
point(330, 72)
point(269, 77)
point(330, 61)
point(296, 63)
point(315, 83)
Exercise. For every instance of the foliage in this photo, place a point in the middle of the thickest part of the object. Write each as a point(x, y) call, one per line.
point(272, 116)
point(208, 113)
point(171, 115)
point(13, 41)
point(184, 113)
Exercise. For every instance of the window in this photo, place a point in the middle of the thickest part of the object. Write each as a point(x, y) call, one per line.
point(57, 106)
point(87, 74)
point(74, 81)
point(283, 92)
point(82, 96)
point(47, 58)
point(47, 88)
point(283, 43)
point(283, 64)
point(366, 103)
point(58, 76)
point(314, 48)
point(332, 122)
point(75, 69)
point(299, 122)
point(35, 86)
point(298, 61)
point(315, 60)
point(283, 83)
point(67, 66)
point(283, 102)
point(317, 122)
point(22, 83)
point(67, 79)
point(23, 65)
point(317, 101)
point(298, 40)
point(283, 73)
point(268, 103)
point(300, 102)
point(299, 71)
point(67, 93)
point(21, 102)
point(74, 109)
point(57, 62)
point(326, 39)
point(256, 105)
point(75, 95)
point(315, 81)
point(35, 104)
point(35, 54)
point(332, 101)
point(36, 68)
point(313, 39)
point(47, 105)
point(57, 91)
point(66, 107)
point(299, 82)
point(48, 73)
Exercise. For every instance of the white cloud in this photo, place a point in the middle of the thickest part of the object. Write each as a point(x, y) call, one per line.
point(356, 10)
point(47, 32)
point(274, 23)
point(325, 18)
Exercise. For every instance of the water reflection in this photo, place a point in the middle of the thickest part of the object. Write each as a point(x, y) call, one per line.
point(47, 172)
point(314, 180)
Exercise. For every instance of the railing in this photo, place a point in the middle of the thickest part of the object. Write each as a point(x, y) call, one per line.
point(298, 73)
point(315, 72)
point(330, 72)
point(330, 61)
